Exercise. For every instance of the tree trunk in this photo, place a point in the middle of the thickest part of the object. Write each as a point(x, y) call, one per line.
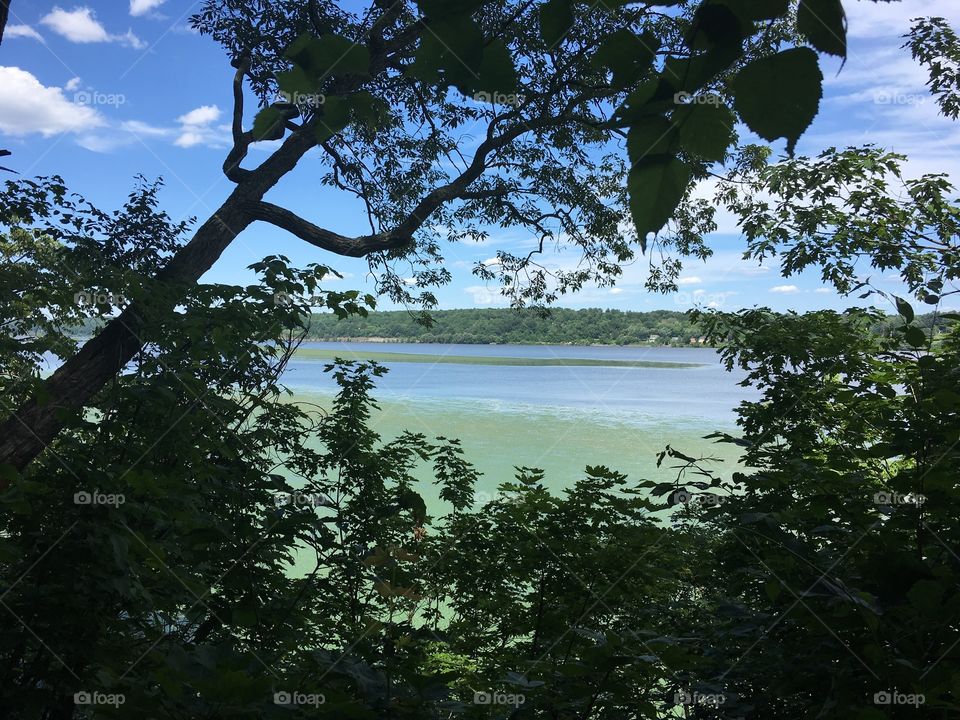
point(33, 425)
point(4, 14)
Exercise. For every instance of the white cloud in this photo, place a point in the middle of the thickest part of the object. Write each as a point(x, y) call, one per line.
point(188, 139)
point(692, 280)
point(80, 26)
point(196, 128)
point(72, 84)
point(784, 289)
point(616, 291)
point(823, 291)
point(891, 20)
point(203, 115)
point(21, 31)
point(142, 7)
point(27, 106)
point(138, 127)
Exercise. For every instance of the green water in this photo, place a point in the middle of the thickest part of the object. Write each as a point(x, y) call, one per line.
point(560, 443)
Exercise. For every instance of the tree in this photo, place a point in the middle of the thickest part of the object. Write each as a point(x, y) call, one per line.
point(382, 94)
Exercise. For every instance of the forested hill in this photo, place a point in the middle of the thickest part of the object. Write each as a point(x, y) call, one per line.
point(560, 326)
point(580, 327)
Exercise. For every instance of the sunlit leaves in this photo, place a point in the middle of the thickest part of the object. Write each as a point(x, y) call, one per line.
point(329, 55)
point(778, 96)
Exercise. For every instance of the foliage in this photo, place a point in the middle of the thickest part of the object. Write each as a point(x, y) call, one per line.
point(193, 544)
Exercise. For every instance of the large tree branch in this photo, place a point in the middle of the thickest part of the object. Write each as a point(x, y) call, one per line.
point(4, 14)
point(325, 239)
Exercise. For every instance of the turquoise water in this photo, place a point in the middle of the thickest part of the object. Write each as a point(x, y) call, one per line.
point(559, 419)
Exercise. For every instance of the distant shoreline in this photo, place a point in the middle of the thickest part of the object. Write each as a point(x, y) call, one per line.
point(416, 341)
point(434, 359)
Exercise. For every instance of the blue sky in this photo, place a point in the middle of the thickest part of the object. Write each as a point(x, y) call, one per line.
point(102, 91)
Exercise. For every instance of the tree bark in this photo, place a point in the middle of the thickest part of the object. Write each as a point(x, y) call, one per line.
point(33, 425)
point(4, 14)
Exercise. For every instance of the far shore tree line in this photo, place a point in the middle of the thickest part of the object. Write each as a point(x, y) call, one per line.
point(561, 326)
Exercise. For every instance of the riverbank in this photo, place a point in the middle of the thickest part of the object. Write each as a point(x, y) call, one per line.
point(437, 358)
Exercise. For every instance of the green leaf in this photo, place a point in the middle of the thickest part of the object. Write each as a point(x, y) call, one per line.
point(437, 9)
point(369, 110)
point(329, 55)
point(295, 82)
point(268, 124)
point(915, 337)
point(626, 54)
point(653, 135)
point(706, 128)
point(926, 596)
point(824, 24)
point(497, 73)
point(715, 24)
point(903, 307)
point(452, 51)
point(778, 96)
point(656, 188)
point(758, 9)
point(556, 18)
point(336, 115)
